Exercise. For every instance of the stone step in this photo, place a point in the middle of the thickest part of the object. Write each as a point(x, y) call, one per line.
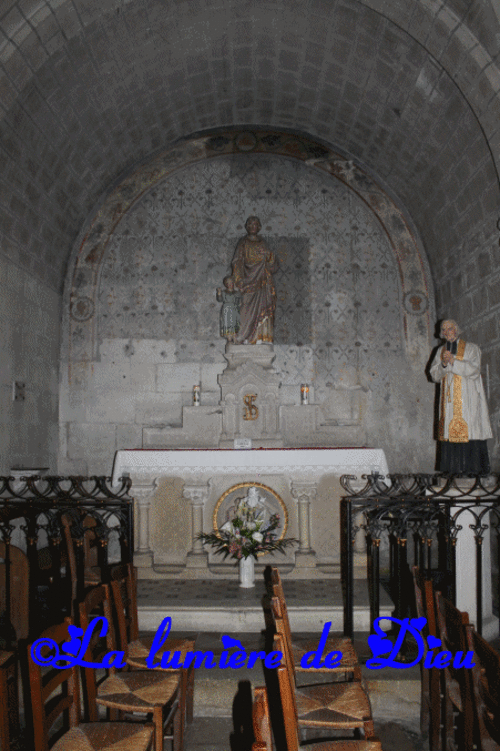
point(215, 605)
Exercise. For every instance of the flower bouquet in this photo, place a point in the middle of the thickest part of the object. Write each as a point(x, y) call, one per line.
point(248, 533)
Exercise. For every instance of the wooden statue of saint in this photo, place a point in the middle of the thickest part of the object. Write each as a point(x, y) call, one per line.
point(253, 266)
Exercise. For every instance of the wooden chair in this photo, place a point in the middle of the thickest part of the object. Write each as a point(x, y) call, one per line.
point(55, 702)
point(338, 706)
point(136, 648)
point(261, 721)
point(299, 646)
point(262, 724)
point(17, 609)
point(143, 692)
point(9, 702)
point(485, 677)
point(430, 694)
point(89, 575)
point(457, 709)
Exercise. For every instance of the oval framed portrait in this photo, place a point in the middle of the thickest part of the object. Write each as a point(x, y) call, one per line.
point(262, 499)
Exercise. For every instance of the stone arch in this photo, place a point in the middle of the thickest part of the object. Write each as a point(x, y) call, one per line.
point(80, 332)
point(92, 360)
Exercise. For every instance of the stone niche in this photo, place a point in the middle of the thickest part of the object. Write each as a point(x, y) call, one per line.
point(141, 318)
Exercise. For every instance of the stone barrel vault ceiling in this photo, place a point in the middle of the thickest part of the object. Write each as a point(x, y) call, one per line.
point(409, 89)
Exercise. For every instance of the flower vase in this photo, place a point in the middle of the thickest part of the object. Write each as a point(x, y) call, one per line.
point(247, 572)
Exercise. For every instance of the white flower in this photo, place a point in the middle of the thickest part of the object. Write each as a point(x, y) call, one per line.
point(251, 525)
point(258, 536)
point(227, 527)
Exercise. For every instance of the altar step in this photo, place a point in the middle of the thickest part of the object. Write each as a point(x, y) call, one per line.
point(223, 606)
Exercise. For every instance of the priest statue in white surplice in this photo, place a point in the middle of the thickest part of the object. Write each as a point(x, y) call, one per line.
point(464, 425)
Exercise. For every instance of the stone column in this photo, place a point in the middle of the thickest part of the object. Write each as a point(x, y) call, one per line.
point(143, 496)
point(465, 556)
point(304, 492)
point(466, 569)
point(197, 494)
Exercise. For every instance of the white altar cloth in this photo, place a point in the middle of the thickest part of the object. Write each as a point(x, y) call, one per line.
point(295, 463)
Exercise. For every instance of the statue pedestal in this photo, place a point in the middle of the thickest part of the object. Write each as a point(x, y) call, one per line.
point(250, 396)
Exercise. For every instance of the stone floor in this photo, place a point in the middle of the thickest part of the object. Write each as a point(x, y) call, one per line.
point(223, 698)
point(219, 734)
point(222, 602)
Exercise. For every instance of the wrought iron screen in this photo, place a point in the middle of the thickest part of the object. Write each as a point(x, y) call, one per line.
point(408, 520)
point(49, 529)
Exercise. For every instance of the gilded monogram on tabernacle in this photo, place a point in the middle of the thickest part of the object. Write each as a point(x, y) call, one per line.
point(251, 411)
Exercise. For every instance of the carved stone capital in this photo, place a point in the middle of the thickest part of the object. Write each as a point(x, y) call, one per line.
point(143, 494)
point(304, 491)
point(197, 494)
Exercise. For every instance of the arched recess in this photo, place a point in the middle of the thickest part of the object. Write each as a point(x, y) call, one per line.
point(81, 342)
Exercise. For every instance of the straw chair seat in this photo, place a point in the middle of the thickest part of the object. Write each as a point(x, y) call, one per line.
point(343, 705)
point(261, 721)
point(298, 646)
point(131, 692)
point(302, 645)
point(96, 736)
point(139, 649)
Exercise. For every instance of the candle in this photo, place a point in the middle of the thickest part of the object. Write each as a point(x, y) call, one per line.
point(304, 394)
point(196, 396)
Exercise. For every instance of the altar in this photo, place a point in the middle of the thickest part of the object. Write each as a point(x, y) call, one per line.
point(178, 494)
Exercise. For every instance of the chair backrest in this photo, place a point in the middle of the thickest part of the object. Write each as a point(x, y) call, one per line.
point(451, 625)
point(261, 721)
point(97, 603)
point(54, 692)
point(124, 589)
point(282, 626)
point(486, 691)
point(287, 695)
point(430, 702)
point(426, 603)
point(17, 609)
point(85, 540)
point(457, 681)
point(276, 577)
point(276, 585)
point(90, 542)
